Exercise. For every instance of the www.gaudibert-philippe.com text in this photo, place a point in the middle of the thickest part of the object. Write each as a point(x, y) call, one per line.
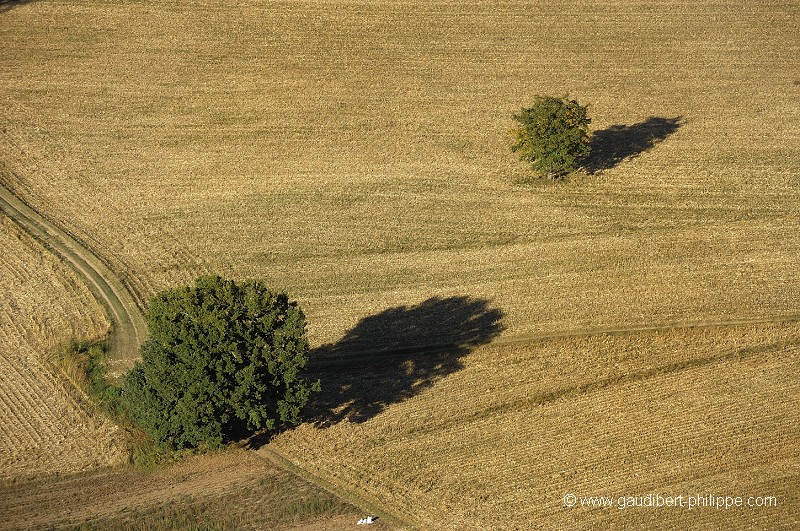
point(680, 501)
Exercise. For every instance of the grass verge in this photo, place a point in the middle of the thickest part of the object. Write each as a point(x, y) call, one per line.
point(268, 503)
point(83, 363)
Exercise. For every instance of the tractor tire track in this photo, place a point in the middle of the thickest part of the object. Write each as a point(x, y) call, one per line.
point(328, 359)
point(128, 325)
point(362, 500)
point(129, 330)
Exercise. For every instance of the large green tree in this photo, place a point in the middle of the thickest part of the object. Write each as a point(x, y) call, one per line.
point(552, 135)
point(222, 360)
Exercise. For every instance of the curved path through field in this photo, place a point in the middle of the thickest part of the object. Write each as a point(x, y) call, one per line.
point(129, 329)
point(128, 325)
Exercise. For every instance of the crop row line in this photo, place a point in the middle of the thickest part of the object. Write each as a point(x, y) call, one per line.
point(129, 329)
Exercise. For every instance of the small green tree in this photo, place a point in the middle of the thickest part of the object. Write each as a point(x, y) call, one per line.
point(552, 135)
point(222, 360)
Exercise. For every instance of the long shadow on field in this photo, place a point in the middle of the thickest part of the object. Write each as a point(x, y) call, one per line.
point(7, 5)
point(389, 357)
point(617, 143)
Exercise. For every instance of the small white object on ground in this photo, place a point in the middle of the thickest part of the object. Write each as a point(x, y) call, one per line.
point(366, 521)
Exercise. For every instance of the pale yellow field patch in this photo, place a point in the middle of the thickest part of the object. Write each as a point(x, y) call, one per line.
point(499, 443)
point(356, 154)
point(46, 426)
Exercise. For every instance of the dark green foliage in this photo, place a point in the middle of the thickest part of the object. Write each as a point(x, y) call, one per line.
point(552, 135)
point(222, 360)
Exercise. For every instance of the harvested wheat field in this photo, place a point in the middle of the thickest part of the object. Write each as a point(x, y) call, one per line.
point(46, 426)
point(356, 154)
point(498, 443)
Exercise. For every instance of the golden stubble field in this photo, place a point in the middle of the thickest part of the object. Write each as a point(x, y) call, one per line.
point(46, 426)
point(498, 443)
point(356, 154)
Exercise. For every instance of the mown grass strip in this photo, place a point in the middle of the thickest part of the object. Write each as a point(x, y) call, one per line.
point(363, 500)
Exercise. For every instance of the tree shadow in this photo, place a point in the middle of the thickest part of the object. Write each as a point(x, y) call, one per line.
point(8, 5)
point(617, 143)
point(394, 355)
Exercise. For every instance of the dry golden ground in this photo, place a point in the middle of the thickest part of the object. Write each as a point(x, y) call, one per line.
point(498, 444)
point(234, 490)
point(356, 154)
point(46, 426)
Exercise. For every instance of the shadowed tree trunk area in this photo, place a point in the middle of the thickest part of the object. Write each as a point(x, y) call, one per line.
point(619, 142)
point(6, 5)
point(394, 355)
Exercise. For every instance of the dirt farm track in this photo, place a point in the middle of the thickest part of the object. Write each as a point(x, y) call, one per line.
point(487, 342)
point(129, 326)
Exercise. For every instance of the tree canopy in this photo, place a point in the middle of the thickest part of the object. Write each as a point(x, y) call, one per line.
point(222, 360)
point(552, 135)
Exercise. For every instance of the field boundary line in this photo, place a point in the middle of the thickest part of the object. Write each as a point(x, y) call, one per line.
point(128, 327)
point(532, 338)
point(665, 327)
point(362, 500)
